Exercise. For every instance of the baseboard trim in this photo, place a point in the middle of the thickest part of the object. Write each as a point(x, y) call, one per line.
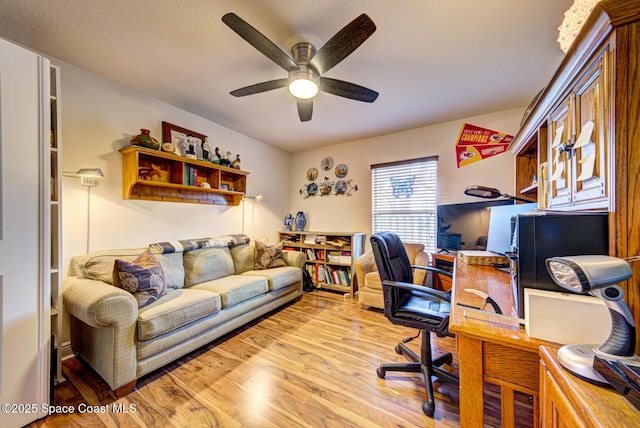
point(66, 351)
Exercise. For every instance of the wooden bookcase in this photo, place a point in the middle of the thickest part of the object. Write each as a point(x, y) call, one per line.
point(331, 257)
point(159, 176)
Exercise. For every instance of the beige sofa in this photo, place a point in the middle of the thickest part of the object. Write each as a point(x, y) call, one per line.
point(369, 285)
point(210, 292)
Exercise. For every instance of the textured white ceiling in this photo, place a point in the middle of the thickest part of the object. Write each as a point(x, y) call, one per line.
point(430, 60)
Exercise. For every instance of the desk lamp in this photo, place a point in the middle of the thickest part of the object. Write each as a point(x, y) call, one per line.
point(597, 276)
point(490, 193)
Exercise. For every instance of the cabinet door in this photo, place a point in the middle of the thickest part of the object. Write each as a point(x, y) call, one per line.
point(556, 410)
point(590, 148)
point(559, 158)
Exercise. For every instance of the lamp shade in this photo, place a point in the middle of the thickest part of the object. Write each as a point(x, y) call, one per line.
point(303, 84)
point(90, 172)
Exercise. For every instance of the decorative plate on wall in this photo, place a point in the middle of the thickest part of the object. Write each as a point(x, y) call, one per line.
point(326, 163)
point(312, 174)
point(341, 170)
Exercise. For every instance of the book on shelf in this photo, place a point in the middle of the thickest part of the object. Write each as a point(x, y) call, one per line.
point(311, 255)
point(309, 239)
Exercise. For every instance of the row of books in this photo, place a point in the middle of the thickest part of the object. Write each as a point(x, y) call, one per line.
point(339, 257)
point(329, 274)
point(314, 239)
point(190, 176)
point(315, 254)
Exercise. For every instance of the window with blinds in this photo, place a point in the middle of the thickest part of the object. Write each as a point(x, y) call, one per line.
point(404, 200)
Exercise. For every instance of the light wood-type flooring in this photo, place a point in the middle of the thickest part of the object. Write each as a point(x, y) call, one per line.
point(311, 363)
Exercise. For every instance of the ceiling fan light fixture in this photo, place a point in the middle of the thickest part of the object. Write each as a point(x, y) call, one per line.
point(303, 84)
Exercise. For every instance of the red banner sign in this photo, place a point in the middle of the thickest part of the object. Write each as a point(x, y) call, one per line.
point(475, 144)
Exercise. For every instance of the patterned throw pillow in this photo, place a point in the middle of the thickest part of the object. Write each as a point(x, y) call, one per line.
point(142, 277)
point(268, 256)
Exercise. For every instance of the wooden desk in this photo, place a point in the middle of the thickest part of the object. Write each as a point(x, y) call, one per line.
point(444, 261)
point(491, 348)
point(572, 402)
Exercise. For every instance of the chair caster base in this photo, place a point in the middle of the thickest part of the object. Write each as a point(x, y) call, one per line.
point(380, 372)
point(398, 349)
point(429, 408)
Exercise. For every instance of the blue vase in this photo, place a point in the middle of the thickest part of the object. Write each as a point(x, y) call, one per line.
point(301, 221)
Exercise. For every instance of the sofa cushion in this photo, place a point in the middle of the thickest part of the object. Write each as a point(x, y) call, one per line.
point(243, 256)
point(372, 281)
point(207, 264)
point(99, 265)
point(175, 309)
point(142, 277)
point(278, 277)
point(268, 256)
point(234, 289)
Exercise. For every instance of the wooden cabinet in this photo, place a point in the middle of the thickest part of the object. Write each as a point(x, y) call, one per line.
point(566, 401)
point(159, 176)
point(331, 257)
point(589, 113)
point(579, 153)
point(55, 223)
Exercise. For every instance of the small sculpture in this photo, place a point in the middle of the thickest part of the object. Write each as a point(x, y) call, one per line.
point(288, 222)
point(236, 162)
point(216, 156)
point(191, 148)
point(206, 149)
point(224, 160)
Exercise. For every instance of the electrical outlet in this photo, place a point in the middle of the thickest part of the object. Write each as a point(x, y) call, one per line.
point(88, 181)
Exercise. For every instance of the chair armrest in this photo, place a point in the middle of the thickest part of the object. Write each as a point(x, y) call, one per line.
point(294, 258)
point(442, 295)
point(434, 270)
point(364, 264)
point(98, 304)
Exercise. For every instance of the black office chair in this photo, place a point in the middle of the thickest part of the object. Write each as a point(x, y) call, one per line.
point(414, 306)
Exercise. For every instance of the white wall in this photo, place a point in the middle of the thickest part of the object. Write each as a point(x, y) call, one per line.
point(98, 118)
point(353, 213)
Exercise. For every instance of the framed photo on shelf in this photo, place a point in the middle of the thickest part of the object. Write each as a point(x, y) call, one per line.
point(177, 135)
point(224, 186)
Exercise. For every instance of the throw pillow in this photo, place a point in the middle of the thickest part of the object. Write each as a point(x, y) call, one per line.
point(142, 277)
point(268, 256)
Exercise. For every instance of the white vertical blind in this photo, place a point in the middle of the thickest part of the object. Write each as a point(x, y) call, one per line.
point(404, 200)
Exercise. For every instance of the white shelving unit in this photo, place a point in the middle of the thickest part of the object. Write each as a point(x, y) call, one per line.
point(55, 218)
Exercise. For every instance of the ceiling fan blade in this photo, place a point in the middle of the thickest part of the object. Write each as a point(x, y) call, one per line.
point(305, 110)
point(260, 87)
point(259, 41)
point(347, 90)
point(342, 44)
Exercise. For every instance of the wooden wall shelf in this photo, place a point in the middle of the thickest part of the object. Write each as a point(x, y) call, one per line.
point(159, 176)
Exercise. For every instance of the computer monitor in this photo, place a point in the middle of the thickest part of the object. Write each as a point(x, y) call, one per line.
point(499, 235)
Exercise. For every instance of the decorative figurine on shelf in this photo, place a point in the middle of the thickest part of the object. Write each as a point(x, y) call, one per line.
point(301, 221)
point(170, 148)
point(224, 160)
point(144, 139)
point(288, 222)
point(191, 148)
point(236, 162)
point(216, 156)
point(206, 149)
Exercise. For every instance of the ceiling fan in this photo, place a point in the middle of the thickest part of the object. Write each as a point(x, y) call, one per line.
point(306, 65)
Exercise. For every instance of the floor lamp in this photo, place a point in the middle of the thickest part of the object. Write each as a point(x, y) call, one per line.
point(258, 197)
point(88, 178)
